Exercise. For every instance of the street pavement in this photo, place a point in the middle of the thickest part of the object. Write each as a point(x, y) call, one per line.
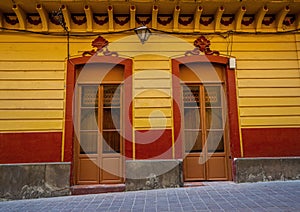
point(213, 196)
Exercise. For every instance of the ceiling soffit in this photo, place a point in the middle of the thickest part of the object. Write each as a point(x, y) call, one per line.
point(172, 16)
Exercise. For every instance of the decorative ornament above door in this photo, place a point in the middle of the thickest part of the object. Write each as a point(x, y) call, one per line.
point(100, 43)
point(202, 45)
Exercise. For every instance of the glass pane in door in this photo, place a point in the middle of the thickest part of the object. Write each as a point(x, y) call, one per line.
point(212, 96)
point(88, 138)
point(111, 96)
point(111, 118)
point(88, 142)
point(193, 141)
point(89, 96)
point(89, 119)
point(214, 118)
point(191, 118)
point(215, 141)
point(111, 142)
point(191, 96)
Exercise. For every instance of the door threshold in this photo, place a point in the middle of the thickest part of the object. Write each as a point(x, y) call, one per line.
point(97, 189)
point(193, 184)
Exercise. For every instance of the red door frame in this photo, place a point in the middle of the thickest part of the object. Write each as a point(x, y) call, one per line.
point(70, 86)
point(234, 133)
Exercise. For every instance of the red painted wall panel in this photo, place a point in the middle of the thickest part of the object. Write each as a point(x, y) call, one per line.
point(153, 144)
point(232, 107)
point(271, 142)
point(30, 147)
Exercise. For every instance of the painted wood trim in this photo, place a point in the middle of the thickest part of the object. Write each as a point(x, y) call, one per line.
point(267, 121)
point(239, 17)
point(297, 22)
point(202, 58)
point(272, 93)
point(280, 18)
point(269, 111)
point(154, 16)
point(44, 17)
point(21, 16)
point(110, 18)
point(89, 18)
point(1, 20)
point(259, 18)
point(234, 132)
point(70, 85)
point(32, 66)
point(218, 16)
point(176, 18)
point(31, 95)
point(32, 75)
point(132, 16)
point(236, 143)
point(270, 101)
point(197, 16)
point(67, 16)
point(31, 114)
point(31, 125)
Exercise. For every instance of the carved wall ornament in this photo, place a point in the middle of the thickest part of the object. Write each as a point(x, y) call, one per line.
point(185, 19)
point(100, 43)
point(247, 20)
point(289, 20)
point(100, 19)
point(226, 20)
point(34, 19)
point(54, 20)
point(143, 19)
point(268, 19)
point(164, 19)
point(202, 45)
point(78, 19)
point(11, 19)
point(206, 19)
point(122, 19)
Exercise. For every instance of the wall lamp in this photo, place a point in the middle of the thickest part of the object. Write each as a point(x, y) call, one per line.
point(143, 33)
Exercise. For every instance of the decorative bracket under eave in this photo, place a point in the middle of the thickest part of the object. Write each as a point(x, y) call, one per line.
point(202, 45)
point(44, 17)
point(100, 43)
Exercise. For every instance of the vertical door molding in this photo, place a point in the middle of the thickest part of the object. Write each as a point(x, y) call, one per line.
point(72, 64)
point(231, 98)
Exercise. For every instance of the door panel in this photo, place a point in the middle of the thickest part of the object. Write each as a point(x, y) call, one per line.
point(99, 125)
point(88, 171)
point(193, 168)
point(111, 170)
point(217, 168)
point(204, 132)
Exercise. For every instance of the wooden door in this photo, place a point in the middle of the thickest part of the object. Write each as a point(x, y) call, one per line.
point(111, 141)
point(204, 132)
point(99, 144)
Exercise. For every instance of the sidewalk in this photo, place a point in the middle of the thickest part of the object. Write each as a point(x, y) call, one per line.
point(213, 196)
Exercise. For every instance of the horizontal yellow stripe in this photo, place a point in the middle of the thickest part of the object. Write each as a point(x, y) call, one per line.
point(15, 125)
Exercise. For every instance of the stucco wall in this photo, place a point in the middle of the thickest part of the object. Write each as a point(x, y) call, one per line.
point(32, 75)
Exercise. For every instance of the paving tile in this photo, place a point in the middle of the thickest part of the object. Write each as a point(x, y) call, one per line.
point(213, 196)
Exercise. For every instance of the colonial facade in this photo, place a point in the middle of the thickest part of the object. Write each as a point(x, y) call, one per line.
point(87, 106)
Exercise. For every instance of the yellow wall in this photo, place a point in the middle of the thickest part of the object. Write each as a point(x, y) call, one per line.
point(32, 77)
point(268, 72)
point(152, 92)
